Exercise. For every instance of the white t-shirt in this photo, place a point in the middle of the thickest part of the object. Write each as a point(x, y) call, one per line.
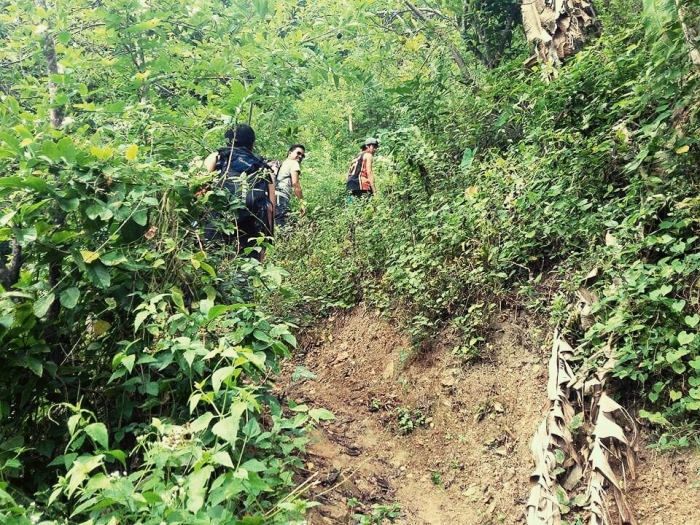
point(283, 186)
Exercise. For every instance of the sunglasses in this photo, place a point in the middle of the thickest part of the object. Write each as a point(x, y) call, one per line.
point(300, 154)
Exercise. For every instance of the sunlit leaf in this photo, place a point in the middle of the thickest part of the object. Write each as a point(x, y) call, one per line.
point(131, 152)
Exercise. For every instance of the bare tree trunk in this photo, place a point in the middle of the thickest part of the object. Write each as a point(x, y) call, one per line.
point(56, 113)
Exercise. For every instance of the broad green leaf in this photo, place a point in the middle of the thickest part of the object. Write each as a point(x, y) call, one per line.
point(321, 414)
point(196, 487)
point(202, 422)
point(80, 470)
point(42, 305)
point(655, 417)
point(112, 258)
point(128, 362)
point(685, 338)
point(69, 297)
point(98, 432)
point(99, 209)
point(222, 458)
point(692, 320)
point(660, 292)
point(140, 318)
point(141, 217)
point(35, 365)
point(219, 376)
point(178, 298)
point(227, 428)
point(99, 275)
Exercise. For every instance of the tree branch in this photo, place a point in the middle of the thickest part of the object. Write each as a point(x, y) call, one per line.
point(456, 55)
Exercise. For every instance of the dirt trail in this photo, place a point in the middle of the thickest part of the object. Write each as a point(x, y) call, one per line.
point(467, 458)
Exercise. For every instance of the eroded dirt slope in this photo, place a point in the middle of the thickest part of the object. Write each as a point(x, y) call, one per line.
point(448, 442)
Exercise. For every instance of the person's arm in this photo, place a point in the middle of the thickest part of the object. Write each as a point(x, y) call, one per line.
point(271, 208)
point(370, 173)
point(296, 186)
point(210, 161)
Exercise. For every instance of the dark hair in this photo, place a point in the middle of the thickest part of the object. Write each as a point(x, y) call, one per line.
point(241, 137)
point(295, 146)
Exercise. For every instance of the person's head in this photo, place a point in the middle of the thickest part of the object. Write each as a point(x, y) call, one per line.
point(242, 136)
point(370, 143)
point(296, 152)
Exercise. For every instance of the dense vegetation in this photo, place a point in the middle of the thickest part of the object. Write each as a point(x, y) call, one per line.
point(135, 385)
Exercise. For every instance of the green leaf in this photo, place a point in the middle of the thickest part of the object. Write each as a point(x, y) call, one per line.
point(660, 292)
point(321, 414)
point(112, 258)
point(141, 217)
point(196, 488)
point(685, 338)
point(222, 458)
point(227, 428)
point(655, 417)
point(152, 498)
point(69, 297)
point(692, 320)
point(98, 432)
point(678, 367)
point(42, 305)
point(216, 311)
point(98, 274)
point(80, 470)
point(202, 422)
point(219, 376)
point(128, 362)
point(140, 318)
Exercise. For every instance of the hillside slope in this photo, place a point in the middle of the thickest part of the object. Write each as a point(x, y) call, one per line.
point(466, 459)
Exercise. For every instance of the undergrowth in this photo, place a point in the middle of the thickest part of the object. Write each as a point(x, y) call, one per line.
point(597, 175)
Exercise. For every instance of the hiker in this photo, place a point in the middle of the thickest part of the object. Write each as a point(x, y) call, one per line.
point(248, 176)
point(288, 183)
point(360, 175)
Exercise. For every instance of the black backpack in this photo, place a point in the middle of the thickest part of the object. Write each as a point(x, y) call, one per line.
point(353, 177)
point(243, 174)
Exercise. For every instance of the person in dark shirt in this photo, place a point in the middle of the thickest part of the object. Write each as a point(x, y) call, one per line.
point(257, 218)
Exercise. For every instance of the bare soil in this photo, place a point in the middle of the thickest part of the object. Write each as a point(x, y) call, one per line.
point(438, 440)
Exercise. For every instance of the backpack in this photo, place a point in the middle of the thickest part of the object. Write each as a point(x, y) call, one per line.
point(353, 180)
point(242, 173)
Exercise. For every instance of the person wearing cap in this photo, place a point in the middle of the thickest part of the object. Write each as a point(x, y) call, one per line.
point(360, 181)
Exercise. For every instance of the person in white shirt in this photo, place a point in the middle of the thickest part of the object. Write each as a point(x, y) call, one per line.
point(288, 183)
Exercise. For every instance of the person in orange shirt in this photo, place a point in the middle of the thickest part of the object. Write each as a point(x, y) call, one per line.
point(360, 181)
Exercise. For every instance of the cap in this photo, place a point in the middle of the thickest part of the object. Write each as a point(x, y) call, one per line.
point(371, 142)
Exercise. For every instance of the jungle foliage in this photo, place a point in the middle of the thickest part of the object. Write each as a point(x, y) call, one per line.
point(136, 380)
point(522, 192)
